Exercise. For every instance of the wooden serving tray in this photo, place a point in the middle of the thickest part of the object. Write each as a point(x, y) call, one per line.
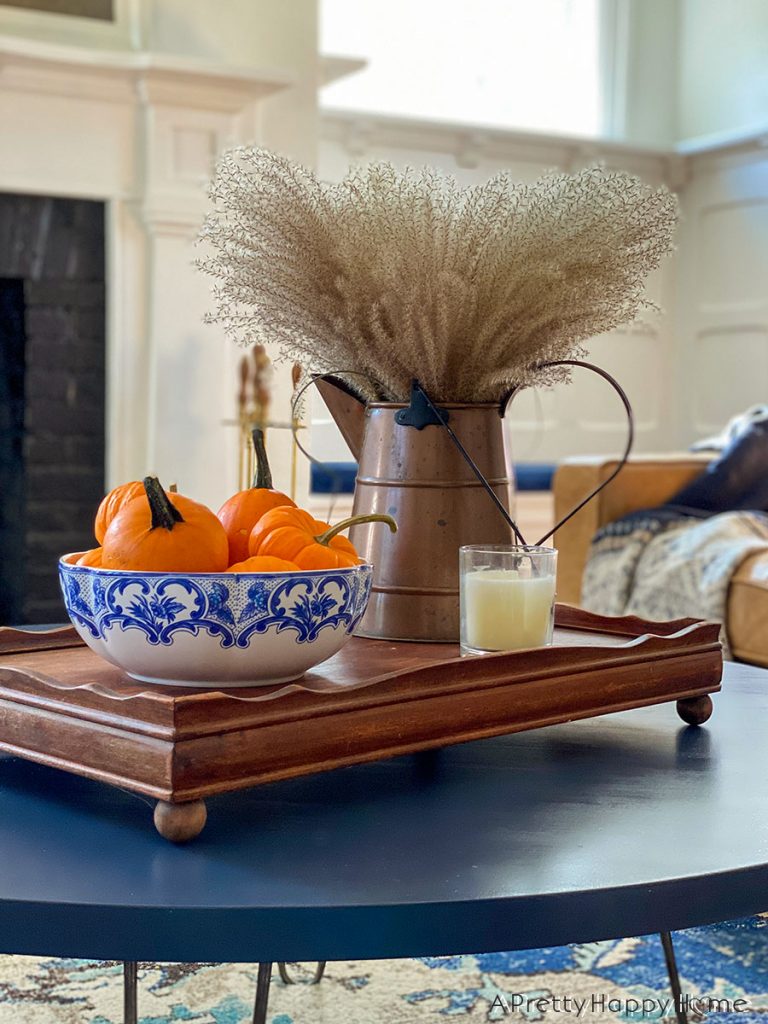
point(62, 705)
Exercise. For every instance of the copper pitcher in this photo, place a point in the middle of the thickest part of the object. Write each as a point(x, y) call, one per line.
point(417, 475)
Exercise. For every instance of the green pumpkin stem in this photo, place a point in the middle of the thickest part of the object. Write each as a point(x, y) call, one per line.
point(327, 537)
point(263, 475)
point(164, 513)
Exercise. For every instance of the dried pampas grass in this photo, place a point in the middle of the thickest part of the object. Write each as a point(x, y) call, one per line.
point(398, 275)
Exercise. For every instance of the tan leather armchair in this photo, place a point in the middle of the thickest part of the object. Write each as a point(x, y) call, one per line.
point(647, 481)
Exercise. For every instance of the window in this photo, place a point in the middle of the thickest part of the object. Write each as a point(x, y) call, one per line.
point(529, 64)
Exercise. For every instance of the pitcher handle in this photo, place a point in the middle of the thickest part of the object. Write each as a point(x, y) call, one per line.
point(504, 404)
point(332, 376)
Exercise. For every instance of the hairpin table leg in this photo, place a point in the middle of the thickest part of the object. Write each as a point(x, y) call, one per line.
point(695, 710)
point(674, 977)
point(262, 994)
point(130, 992)
point(288, 980)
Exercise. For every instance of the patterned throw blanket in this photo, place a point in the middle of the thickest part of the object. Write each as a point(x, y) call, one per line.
point(659, 564)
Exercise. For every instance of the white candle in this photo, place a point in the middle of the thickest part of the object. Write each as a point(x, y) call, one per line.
point(506, 609)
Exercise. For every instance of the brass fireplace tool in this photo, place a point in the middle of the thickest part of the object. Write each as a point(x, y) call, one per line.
point(254, 402)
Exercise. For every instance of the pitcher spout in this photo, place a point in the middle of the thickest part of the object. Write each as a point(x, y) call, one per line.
point(347, 409)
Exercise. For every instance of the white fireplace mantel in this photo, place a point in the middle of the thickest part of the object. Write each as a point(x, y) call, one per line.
point(15, 50)
point(141, 132)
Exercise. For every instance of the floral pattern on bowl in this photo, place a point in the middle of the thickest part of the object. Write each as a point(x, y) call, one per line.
point(215, 629)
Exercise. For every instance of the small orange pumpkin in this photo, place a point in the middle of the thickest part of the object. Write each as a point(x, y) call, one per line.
point(93, 558)
point(292, 533)
point(263, 563)
point(240, 513)
point(112, 503)
point(162, 533)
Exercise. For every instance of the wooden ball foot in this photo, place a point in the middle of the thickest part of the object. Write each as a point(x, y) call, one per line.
point(180, 822)
point(695, 710)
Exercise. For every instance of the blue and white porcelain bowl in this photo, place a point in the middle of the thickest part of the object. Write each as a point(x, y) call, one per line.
point(214, 630)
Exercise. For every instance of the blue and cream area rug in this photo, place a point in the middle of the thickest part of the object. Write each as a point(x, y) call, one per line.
point(724, 970)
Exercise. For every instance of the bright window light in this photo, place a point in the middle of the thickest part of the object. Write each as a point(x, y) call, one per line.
point(505, 63)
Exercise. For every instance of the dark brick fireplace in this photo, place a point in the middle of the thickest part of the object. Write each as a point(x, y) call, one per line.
point(52, 394)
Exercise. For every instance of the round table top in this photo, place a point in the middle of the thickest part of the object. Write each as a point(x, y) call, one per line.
point(622, 825)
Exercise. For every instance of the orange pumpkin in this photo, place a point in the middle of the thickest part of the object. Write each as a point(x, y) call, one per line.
point(292, 533)
point(263, 563)
point(240, 513)
point(92, 558)
point(112, 503)
point(162, 533)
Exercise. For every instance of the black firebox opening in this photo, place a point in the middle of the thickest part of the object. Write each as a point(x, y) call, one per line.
point(52, 395)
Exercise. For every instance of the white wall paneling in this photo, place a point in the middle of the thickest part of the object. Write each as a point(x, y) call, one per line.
point(722, 309)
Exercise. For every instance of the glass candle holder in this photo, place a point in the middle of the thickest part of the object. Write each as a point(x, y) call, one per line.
point(507, 595)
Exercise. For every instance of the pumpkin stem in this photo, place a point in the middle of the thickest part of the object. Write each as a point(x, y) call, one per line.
point(327, 537)
point(163, 512)
point(263, 474)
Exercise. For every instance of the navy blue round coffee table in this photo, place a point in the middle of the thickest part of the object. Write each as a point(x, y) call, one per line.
point(622, 825)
